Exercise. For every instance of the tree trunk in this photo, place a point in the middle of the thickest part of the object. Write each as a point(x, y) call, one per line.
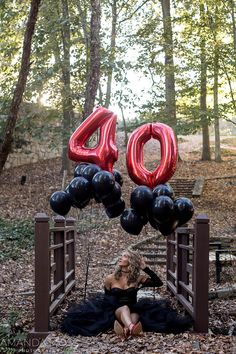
point(67, 105)
point(112, 54)
point(124, 123)
point(216, 85)
point(94, 61)
point(5, 148)
point(203, 93)
point(216, 108)
point(170, 110)
point(83, 19)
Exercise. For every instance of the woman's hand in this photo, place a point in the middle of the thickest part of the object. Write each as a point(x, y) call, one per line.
point(142, 263)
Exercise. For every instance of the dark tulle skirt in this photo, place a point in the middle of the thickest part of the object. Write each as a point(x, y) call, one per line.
point(97, 315)
point(159, 316)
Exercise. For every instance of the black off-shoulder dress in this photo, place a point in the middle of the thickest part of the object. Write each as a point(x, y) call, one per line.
point(97, 314)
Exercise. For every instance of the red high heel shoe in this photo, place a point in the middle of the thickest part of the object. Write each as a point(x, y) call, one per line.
point(135, 329)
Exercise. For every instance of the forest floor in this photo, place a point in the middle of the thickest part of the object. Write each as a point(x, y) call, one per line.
point(105, 239)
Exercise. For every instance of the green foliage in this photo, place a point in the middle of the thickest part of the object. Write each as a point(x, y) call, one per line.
point(38, 121)
point(138, 50)
point(35, 122)
point(12, 337)
point(12, 17)
point(15, 235)
point(188, 31)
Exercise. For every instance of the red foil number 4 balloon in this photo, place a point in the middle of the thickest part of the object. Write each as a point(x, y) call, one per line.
point(106, 152)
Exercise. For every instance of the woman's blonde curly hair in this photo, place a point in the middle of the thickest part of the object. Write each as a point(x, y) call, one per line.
point(133, 268)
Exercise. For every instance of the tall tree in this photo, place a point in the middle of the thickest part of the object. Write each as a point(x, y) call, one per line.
point(112, 53)
point(94, 58)
point(206, 155)
point(67, 105)
point(170, 109)
point(20, 85)
point(216, 105)
point(215, 25)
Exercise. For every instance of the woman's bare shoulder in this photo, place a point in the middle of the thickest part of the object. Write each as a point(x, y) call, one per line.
point(109, 280)
point(110, 276)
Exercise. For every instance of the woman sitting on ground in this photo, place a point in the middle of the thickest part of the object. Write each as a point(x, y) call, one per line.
point(119, 307)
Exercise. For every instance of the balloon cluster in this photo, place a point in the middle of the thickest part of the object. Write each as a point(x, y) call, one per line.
point(94, 176)
point(158, 207)
point(89, 182)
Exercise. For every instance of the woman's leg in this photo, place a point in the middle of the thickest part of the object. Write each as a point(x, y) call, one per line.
point(134, 317)
point(129, 321)
point(124, 316)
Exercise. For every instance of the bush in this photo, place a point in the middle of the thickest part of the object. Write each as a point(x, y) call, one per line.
point(15, 235)
point(12, 336)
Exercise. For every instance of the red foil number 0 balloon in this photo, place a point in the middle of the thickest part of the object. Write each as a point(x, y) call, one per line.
point(106, 152)
point(169, 154)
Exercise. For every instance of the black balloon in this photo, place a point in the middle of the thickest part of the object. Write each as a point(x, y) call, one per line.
point(60, 202)
point(96, 197)
point(152, 222)
point(112, 197)
point(80, 189)
point(118, 177)
point(168, 227)
point(131, 221)
point(163, 189)
point(103, 183)
point(79, 169)
point(115, 209)
point(144, 219)
point(184, 210)
point(67, 191)
point(81, 205)
point(162, 209)
point(141, 199)
point(90, 171)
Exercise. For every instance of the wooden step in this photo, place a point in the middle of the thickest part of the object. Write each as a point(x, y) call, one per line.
point(152, 250)
point(182, 187)
point(152, 262)
point(154, 255)
point(149, 243)
point(156, 241)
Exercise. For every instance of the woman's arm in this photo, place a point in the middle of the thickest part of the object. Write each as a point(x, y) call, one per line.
point(108, 282)
point(152, 280)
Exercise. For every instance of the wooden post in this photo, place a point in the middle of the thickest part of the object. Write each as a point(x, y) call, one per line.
point(201, 273)
point(71, 247)
point(59, 254)
point(42, 273)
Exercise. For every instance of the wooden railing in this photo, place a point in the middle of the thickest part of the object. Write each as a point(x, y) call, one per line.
point(188, 269)
point(54, 270)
